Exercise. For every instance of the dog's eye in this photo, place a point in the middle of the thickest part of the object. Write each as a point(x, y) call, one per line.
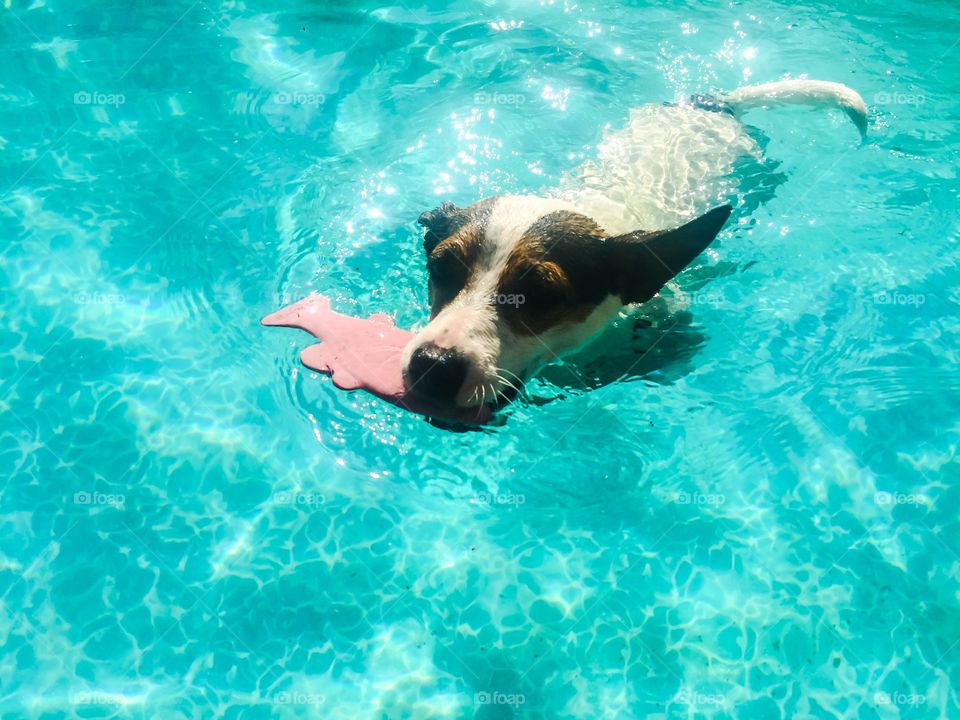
point(539, 293)
point(446, 268)
point(538, 287)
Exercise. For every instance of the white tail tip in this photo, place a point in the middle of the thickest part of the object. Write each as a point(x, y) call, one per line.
point(816, 93)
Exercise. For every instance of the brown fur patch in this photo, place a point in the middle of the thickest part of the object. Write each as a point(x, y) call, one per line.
point(452, 259)
point(553, 276)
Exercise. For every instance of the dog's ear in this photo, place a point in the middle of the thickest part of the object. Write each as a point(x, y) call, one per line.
point(441, 224)
point(642, 263)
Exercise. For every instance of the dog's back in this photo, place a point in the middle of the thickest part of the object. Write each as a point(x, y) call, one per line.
point(672, 161)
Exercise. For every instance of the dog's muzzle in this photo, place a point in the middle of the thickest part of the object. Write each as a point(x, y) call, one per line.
point(436, 372)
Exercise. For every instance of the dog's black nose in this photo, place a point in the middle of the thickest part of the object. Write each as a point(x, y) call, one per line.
point(437, 372)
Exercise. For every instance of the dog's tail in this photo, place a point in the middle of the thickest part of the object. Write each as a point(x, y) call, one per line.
point(816, 93)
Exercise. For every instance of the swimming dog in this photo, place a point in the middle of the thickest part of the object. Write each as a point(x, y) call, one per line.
point(518, 281)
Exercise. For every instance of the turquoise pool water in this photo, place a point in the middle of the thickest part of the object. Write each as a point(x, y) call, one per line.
point(759, 521)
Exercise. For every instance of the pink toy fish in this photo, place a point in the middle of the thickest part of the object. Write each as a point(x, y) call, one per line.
point(363, 354)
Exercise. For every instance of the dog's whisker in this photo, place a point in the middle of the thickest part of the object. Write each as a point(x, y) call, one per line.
point(502, 379)
point(520, 388)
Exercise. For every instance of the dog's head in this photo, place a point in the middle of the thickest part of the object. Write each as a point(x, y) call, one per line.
point(516, 282)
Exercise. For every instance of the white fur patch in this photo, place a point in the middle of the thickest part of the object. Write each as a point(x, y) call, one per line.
point(510, 218)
